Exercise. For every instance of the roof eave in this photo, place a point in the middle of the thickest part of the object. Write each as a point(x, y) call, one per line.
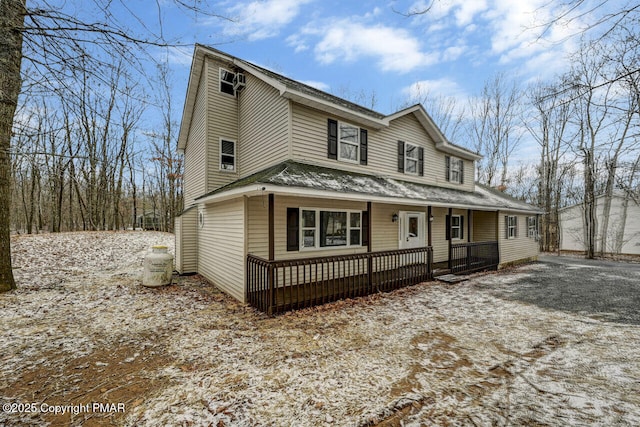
point(195, 72)
point(338, 110)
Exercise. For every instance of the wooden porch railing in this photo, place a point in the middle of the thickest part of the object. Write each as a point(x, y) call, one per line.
point(470, 257)
point(277, 286)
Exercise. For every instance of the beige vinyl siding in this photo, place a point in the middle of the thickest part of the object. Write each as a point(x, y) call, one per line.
point(221, 246)
point(280, 231)
point(264, 127)
point(187, 241)
point(222, 122)
point(439, 240)
point(519, 248)
point(484, 226)
point(258, 226)
point(309, 144)
point(195, 153)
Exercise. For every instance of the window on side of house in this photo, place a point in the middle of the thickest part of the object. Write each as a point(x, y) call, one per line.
point(456, 227)
point(411, 159)
point(511, 223)
point(532, 227)
point(348, 142)
point(227, 155)
point(454, 170)
point(325, 229)
point(226, 82)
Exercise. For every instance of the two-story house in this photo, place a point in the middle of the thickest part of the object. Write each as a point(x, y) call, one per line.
point(293, 196)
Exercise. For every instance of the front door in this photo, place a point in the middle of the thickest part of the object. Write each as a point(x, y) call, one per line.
point(412, 230)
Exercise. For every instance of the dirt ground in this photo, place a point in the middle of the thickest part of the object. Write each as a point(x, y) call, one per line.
point(81, 335)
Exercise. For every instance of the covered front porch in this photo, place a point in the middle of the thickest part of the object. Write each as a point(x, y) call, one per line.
point(278, 286)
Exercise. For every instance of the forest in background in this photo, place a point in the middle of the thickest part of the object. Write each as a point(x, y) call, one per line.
point(83, 156)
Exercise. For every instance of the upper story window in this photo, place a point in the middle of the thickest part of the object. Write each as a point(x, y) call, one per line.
point(227, 155)
point(410, 158)
point(454, 170)
point(226, 82)
point(346, 142)
point(511, 226)
point(349, 142)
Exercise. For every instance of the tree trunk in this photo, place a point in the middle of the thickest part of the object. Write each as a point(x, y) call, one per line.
point(12, 14)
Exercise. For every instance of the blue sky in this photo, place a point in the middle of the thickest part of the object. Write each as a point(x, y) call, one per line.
point(369, 47)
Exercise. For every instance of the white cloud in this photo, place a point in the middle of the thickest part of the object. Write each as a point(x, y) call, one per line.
point(439, 88)
point(396, 50)
point(260, 19)
point(318, 85)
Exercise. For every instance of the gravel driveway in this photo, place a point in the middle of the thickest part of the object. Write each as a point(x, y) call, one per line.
point(599, 289)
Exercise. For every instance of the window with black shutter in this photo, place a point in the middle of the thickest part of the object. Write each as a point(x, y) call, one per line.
point(401, 156)
point(332, 139)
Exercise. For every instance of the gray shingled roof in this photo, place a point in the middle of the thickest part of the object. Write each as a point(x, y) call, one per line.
point(304, 176)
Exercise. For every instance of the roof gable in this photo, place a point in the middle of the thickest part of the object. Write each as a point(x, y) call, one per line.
point(312, 97)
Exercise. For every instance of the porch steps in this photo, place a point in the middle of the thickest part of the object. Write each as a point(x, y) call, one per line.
point(452, 278)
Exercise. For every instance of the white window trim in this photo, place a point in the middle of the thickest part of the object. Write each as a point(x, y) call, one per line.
point(511, 227)
point(454, 161)
point(235, 156)
point(220, 71)
point(457, 227)
point(343, 159)
point(532, 227)
point(407, 159)
point(317, 232)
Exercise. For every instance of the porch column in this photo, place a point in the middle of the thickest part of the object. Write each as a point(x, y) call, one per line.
point(429, 213)
point(469, 223)
point(272, 250)
point(368, 227)
point(450, 239)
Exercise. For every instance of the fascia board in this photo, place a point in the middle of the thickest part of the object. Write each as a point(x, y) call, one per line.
point(197, 63)
point(258, 189)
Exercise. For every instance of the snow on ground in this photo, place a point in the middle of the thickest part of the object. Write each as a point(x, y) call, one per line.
point(81, 329)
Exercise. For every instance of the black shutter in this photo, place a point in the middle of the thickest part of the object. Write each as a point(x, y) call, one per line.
point(293, 229)
point(365, 228)
point(421, 161)
point(461, 227)
point(515, 218)
point(447, 231)
point(363, 146)
point(332, 139)
point(461, 171)
point(447, 167)
point(401, 156)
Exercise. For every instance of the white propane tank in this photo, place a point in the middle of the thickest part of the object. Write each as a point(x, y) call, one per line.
point(158, 267)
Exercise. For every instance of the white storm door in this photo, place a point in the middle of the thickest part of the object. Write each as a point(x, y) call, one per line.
point(412, 230)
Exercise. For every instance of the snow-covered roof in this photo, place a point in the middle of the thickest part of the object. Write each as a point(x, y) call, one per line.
point(316, 181)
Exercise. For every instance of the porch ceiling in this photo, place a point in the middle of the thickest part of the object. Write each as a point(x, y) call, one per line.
point(315, 181)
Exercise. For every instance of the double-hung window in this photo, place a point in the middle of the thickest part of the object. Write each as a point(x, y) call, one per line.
point(411, 159)
point(348, 142)
point(532, 227)
point(454, 170)
point(227, 155)
point(322, 229)
point(226, 82)
point(512, 226)
point(456, 227)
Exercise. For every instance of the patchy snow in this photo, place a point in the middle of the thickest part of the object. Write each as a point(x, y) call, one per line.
point(81, 328)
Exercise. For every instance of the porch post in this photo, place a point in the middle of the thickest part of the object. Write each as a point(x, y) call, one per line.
point(369, 227)
point(369, 257)
point(450, 239)
point(469, 222)
point(429, 226)
point(272, 251)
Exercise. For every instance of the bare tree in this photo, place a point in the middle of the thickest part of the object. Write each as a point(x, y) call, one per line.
point(550, 127)
point(495, 129)
point(54, 44)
